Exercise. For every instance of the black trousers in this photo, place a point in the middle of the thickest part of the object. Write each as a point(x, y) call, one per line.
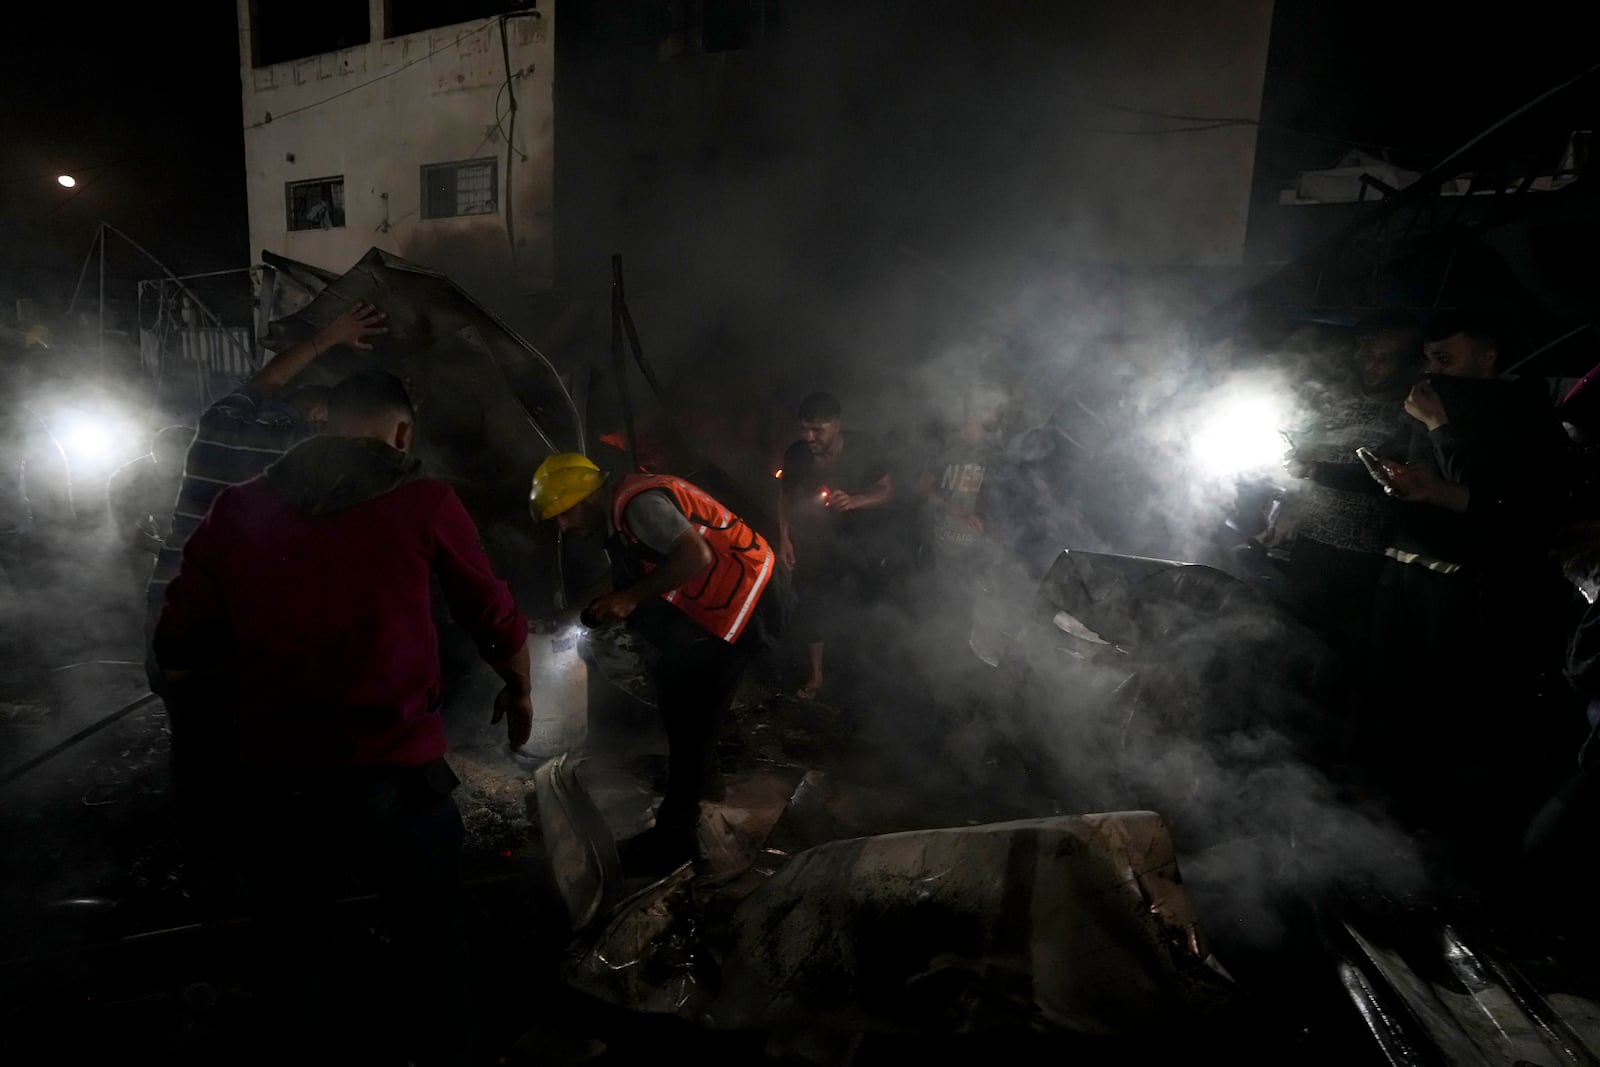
point(1459, 719)
point(401, 833)
point(204, 788)
point(833, 581)
point(696, 680)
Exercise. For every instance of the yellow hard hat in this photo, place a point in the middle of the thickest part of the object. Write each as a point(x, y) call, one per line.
point(561, 483)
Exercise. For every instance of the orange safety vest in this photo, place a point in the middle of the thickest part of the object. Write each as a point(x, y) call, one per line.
point(722, 598)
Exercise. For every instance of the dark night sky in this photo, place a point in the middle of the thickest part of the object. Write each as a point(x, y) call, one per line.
point(1417, 78)
point(143, 105)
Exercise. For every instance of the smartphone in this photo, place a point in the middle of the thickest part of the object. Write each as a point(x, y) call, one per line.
point(1374, 465)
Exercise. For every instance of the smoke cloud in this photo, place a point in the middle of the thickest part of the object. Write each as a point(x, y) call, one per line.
point(907, 203)
point(904, 204)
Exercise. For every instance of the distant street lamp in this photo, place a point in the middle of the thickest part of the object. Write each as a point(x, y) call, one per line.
point(67, 181)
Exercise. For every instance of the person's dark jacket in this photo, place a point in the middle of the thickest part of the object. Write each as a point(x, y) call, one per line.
point(1503, 443)
point(304, 598)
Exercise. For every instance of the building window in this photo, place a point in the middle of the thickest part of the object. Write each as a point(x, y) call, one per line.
point(727, 25)
point(317, 204)
point(415, 16)
point(704, 26)
point(470, 187)
point(284, 30)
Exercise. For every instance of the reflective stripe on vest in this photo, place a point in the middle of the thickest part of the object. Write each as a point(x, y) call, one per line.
point(721, 599)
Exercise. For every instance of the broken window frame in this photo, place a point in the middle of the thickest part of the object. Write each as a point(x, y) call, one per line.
point(302, 219)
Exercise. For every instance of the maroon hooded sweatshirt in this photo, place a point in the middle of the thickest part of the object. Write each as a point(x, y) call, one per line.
point(304, 604)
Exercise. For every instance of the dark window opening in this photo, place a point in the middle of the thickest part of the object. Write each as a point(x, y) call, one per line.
point(724, 25)
point(294, 29)
point(727, 25)
point(316, 205)
point(415, 16)
point(470, 187)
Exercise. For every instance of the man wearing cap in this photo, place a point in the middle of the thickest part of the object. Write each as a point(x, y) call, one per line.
point(695, 580)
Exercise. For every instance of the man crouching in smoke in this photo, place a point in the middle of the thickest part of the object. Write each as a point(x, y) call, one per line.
point(696, 581)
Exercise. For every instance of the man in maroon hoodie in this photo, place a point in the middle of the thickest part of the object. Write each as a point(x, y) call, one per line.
point(303, 606)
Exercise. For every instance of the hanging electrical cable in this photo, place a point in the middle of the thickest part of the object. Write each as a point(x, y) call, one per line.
point(510, 135)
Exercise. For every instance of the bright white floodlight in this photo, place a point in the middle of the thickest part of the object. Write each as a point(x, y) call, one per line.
point(1240, 435)
point(67, 181)
point(90, 442)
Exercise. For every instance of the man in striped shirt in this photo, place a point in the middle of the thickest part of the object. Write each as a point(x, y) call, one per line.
point(240, 435)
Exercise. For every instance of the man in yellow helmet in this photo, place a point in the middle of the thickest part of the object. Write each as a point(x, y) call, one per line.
point(694, 579)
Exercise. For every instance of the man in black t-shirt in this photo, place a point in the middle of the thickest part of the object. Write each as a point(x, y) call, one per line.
point(832, 484)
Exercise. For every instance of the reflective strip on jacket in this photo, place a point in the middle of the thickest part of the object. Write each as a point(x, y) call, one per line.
point(721, 599)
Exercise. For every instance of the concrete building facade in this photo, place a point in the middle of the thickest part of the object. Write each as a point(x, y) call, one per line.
point(436, 145)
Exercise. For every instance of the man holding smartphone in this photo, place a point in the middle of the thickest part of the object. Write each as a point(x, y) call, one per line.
point(1469, 589)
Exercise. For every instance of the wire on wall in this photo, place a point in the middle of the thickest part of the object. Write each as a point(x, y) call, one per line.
point(431, 52)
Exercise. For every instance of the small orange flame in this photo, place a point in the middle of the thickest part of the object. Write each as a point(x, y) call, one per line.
point(778, 473)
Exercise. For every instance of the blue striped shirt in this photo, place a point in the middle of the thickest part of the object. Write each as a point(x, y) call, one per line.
point(238, 439)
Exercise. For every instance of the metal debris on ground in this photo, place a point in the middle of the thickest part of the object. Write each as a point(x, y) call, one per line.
point(1079, 923)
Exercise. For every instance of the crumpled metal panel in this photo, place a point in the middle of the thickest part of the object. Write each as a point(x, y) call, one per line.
point(651, 954)
point(1429, 993)
point(1134, 601)
point(286, 287)
point(1079, 923)
point(581, 851)
point(490, 406)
